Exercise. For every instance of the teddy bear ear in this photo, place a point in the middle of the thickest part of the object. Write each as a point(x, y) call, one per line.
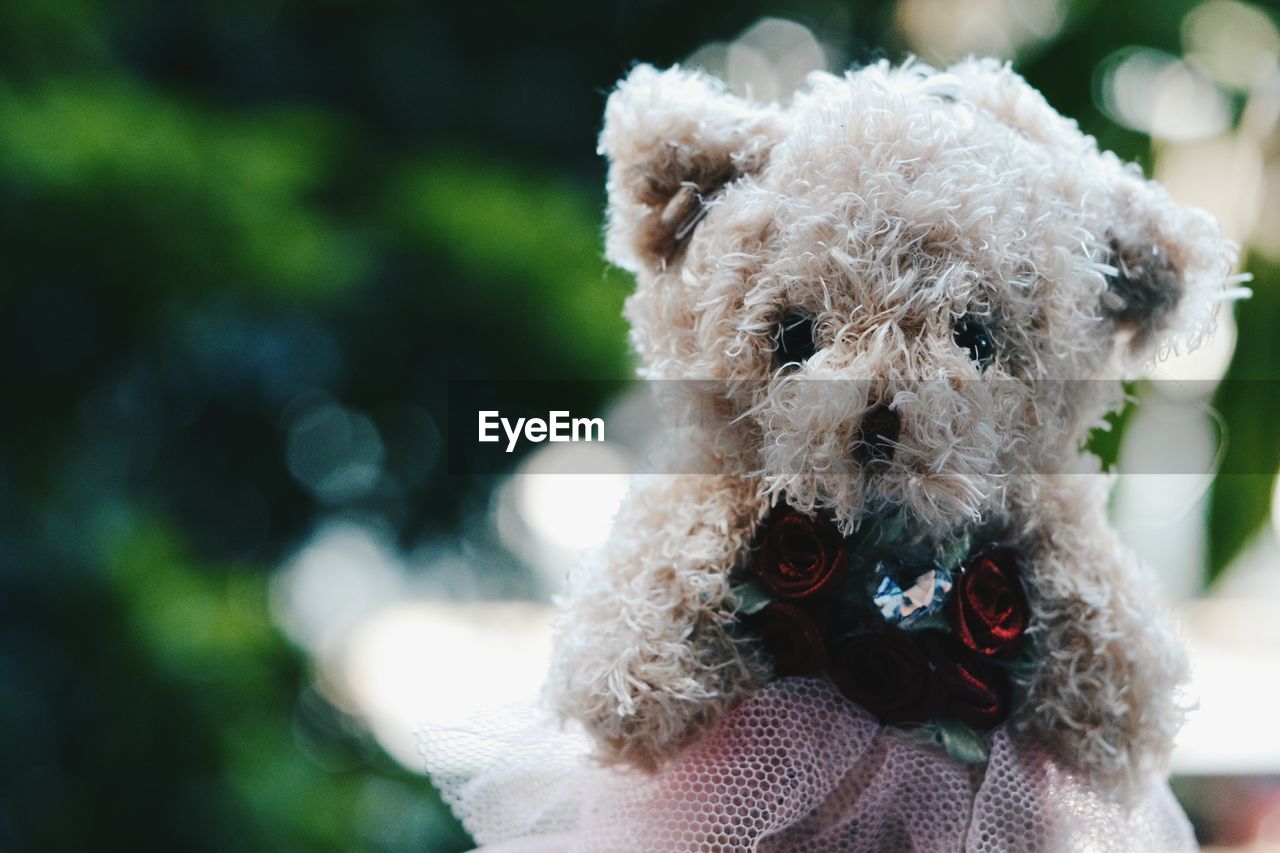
point(1143, 291)
point(1165, 264)
point(1165, 267)
point(674, 139)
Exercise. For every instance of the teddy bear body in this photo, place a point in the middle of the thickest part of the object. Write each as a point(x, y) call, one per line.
point(907, 296)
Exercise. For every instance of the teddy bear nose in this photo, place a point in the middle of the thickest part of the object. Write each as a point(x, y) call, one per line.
point(877, 435)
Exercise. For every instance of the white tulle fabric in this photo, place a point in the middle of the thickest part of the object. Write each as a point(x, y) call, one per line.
point(796, 767)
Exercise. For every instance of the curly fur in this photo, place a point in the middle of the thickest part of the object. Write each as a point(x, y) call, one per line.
point(888, 205)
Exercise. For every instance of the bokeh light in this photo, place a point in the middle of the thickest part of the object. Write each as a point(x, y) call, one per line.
point(944, 31)
point(767, 62)
point(1167, 463)
point(1162, 95)
point(572, 511)
point(442, 664)
point(1198, 371)
point(343, 573)
point(1236, 43)
point(1224, 175)
point(334, 452)
point(1235, 675)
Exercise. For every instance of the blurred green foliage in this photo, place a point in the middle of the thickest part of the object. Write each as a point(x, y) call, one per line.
point(210, 211)
point(498, 226)
point(151, 162)
point(1240, 500)
point(286, 755)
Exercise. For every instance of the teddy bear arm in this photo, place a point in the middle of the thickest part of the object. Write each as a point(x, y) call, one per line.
point(646, 657)
point(1104, 692)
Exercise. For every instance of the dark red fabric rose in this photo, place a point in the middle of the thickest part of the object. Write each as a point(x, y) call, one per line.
point(977, 691)
point(791, 636)
point(988, 608)
point(887, 674)
point(800, 556)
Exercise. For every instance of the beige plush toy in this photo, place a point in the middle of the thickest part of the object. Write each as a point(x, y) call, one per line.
point(907, 297)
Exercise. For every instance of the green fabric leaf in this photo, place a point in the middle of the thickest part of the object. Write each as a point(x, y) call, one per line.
point(750, 598)
point(960, 741)
point(955, 552)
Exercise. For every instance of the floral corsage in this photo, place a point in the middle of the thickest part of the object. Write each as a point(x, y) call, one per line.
point(929, 642)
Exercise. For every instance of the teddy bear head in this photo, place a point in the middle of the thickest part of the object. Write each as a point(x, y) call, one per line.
point(907, 287)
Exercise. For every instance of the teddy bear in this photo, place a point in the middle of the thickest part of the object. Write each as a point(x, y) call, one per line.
point(883, 320)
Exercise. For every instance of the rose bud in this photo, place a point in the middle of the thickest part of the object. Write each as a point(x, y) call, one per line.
point(888, 675)
point(791, 637)
point(977, 692)
point(800, 556)
point(988, 609)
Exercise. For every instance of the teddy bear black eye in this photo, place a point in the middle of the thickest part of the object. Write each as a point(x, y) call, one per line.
point(973, 337)
point(795, 339)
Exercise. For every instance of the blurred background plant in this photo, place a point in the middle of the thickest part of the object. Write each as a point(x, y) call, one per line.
point(245, 245)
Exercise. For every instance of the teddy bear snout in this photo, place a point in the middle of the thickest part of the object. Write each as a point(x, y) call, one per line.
point(877, 435)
